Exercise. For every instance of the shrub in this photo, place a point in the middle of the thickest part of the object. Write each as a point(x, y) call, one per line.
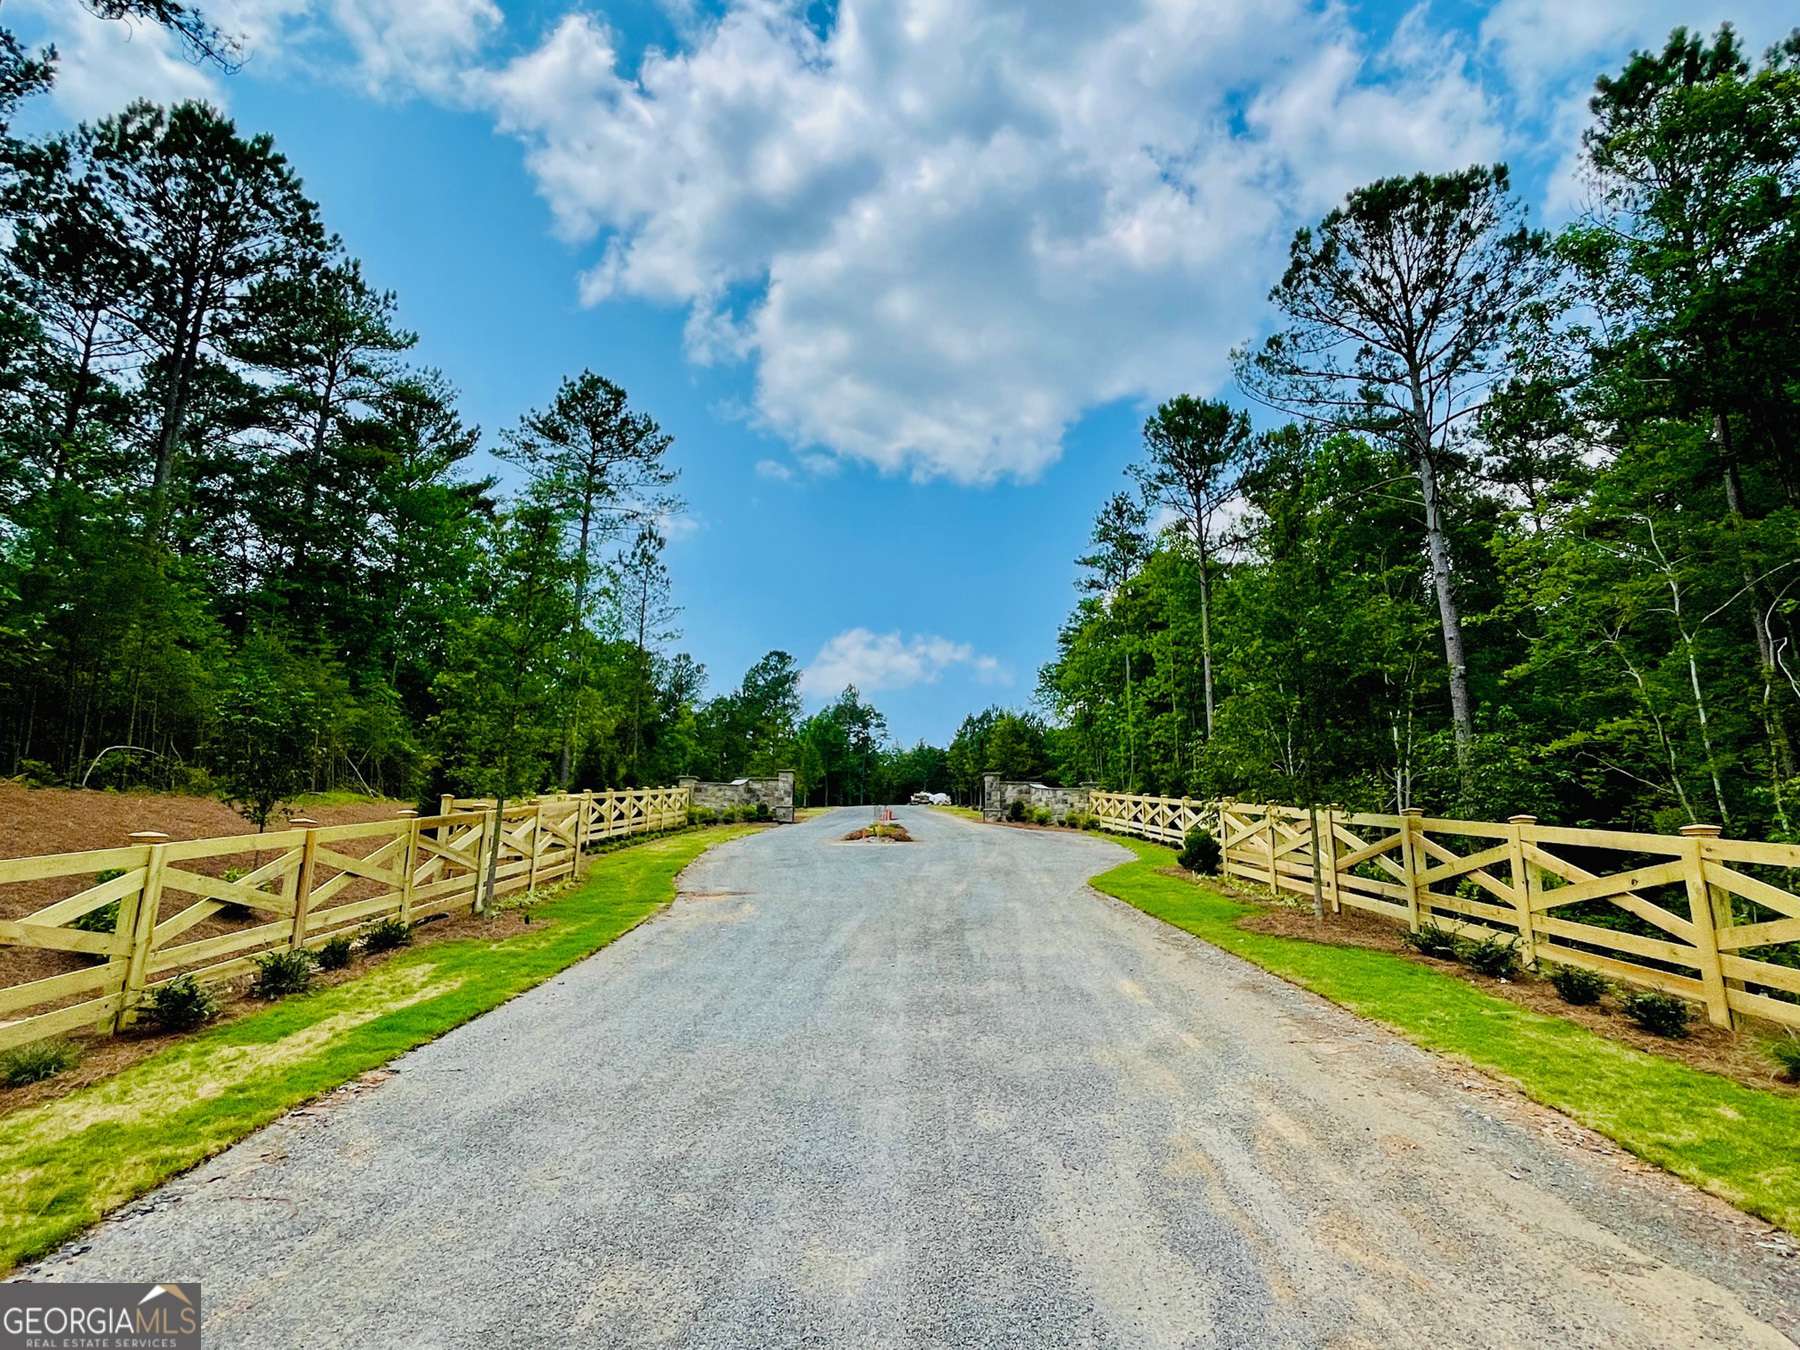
point(704, 815)
point(181, 1004)
point(1432, 940)
point(693, 815)
point(1575, 985)
point(1786, 1054)
point(1090, 822)
point(37, 773)
point(762, 811)
point(35, 1063)
point(386, 936)
point(1659, 1014)
point(1200, 852)
point(1072, 820)
point(1043, 815)
point(1492, 957)
point(1015, 811)
point(335, 954)
point(281, 973)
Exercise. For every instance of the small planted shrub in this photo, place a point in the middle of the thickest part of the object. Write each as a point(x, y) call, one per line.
point(1090, 822)
point(1574, 985)
point(181, 1005)
point(1786, 1054)
point(1043, 815)
point(106, 918)
point(386, 936)
point(1659, 1014)
point(1200, 853)
point(1492, 957)
point(1015, 811)
point(706, 815)
point(1072, 820)
point(1432, 940)
point(35, 1063)
point(693, 815)
point(335, 954)
point(279, 974)
point(762, 811)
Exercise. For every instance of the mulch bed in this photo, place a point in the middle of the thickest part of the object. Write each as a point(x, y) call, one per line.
point(1711, 1049)
point(105, 1055)
point(881, 834)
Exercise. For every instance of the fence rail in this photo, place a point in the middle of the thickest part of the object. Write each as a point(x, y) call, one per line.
point(210, 907)
point(1710, 919)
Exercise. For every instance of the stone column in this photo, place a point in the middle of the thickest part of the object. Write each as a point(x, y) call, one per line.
point(992, 808)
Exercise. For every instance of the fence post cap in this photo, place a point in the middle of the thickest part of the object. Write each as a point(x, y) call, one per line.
point(306, 821)
point(1702, 831)
point(407, 811)
point(1521, 820)
point(148, 837)
point(1412, 810)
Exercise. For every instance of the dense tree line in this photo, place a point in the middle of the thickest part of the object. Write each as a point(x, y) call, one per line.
point(1531, 538)
point(243, 542)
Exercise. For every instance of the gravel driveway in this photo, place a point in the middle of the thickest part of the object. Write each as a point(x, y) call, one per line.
point(936, 1094)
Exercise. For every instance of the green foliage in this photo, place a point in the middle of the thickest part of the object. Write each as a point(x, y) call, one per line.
point(181, 1004)
point(1575, 985)
point(335, 953)
point(281, 973)
point(1015, 811)
point(1786, 1053)
point(105, 919)
point(762, 812)
point(1660, 1014)
point(1043, 815)
point(1491, 956)
point(386, 935)
point(1432, 940)
point(34, 1063)
point(1200, 852)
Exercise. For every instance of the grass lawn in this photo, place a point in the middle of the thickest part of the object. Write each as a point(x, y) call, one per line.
point(1734, 1141)
point(966, 812)
point(69, 1161)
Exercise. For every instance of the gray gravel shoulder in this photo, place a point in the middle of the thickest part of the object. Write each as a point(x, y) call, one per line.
point(937, 1093)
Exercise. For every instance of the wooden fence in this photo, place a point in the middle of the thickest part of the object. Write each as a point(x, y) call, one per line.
point(210, 907)
point(1710, 919)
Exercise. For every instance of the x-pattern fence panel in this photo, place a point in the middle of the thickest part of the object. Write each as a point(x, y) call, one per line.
point(1711, 919)
point(138, 916)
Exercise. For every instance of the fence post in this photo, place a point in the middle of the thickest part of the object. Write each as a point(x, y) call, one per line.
point(1329, 860)
point(582, 806)
point(1269, 842)
point(1524, 884)
point(1704, 904)
point(1412, 860)
point(410, 857)
point(303, 881)
point(143, 927)
point(537, 845)
point(1224, 805)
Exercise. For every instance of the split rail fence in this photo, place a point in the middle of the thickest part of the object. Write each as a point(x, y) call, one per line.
point(1703, 917)
point(210, 907)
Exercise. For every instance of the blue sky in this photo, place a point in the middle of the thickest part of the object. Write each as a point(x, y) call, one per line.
point(902, 279)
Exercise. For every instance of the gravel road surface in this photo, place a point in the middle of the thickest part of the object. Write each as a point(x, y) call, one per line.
point(936, 1094)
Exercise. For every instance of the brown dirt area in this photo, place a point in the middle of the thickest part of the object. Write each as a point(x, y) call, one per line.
point(69, 820)
point(1740, 1057)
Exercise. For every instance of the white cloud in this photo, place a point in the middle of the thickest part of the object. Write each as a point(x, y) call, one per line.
point(942, 234)
point(875, 661)
point(407, 45)
point(105, 64)
point(775, 470)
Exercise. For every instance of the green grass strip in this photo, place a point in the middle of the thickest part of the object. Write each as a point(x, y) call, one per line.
point(69, 1161)
point(1734, 1141)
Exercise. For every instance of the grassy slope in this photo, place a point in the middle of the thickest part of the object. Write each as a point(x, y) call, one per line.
point(1734, 1141)
point(69, 1161)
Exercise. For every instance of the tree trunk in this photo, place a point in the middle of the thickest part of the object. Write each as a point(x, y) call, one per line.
point(1462, 713)
point(1206, 667)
